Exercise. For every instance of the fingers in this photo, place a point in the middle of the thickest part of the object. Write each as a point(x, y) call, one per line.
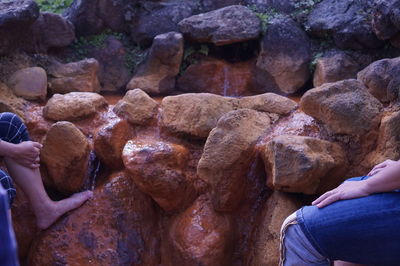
point(329, 200)
point(37, 145)
point(322, 197)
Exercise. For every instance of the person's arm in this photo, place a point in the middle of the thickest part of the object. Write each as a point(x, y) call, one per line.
point(388, 179)
point(25, 153)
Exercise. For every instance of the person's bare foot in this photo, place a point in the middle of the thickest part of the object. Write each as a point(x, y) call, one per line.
point(48, 216)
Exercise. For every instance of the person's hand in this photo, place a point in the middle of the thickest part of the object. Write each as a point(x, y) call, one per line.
point(347, 190)
point(380, 167)
point(27, 153)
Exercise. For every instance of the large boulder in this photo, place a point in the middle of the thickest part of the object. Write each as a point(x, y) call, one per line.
point(29, 83)
point(194, 114)
point(223, 26)
point(334, 66)
point(65, 157)
point(303, 164)
point(157, 169)
point(346, 107)
point(157, 74)
point(269, 102)
point(201, 236)
point(382, 79)
point(386, 20)
point(73, 106)
point(77, 76)
point(347, 21)
point(218, 77)
point(115, 227)
point(228, 154)
point(109, 142)
point(285, 56)
point(137, 107)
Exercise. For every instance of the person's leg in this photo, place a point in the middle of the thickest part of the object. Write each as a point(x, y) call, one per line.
point(344, 263)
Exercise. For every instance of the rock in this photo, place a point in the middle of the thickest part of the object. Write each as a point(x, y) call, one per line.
point(77, 76)
point(347, 21)
point(345, 106)
point(110, 141)
point(281, 6)
point(228, 154)
point(334, 67)
point(11, 103)
point(65, 157)
point(303, 164)
point(267, 235)
point(157, 74)
point(381, 79)
point(227, 25)
point(73, 106)
point(157, 168)
point(137, 107)
point(116, 227)
point(218, 77)
point(154, 18)
point(194, 114)
point(269, 102)
point(202, 236)
point(285, 56)
point(29, 83)
point(385, 19)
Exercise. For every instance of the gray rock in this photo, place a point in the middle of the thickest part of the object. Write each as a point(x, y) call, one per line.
point(30, 83)
point(283, 6)
point(209, 5)
point(223, 26)
point(381, 20)
point(285, 56)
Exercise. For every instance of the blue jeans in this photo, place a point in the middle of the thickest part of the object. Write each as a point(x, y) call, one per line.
point(363, 230)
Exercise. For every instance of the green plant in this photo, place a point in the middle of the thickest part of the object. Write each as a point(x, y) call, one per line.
point(54, 6)
point(313, 63)
point(134, 56)
point(265, 15)
point(304, 7)
point(192, 54)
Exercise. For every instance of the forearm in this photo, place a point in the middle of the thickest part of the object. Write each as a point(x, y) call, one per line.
point(6, 148)
point(386, 180)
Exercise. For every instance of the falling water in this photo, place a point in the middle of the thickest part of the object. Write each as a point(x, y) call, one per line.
point(226, 81)
point(93, 170)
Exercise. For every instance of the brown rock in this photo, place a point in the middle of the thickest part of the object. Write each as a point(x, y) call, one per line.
point(77, 76)
point(116, 227)
point(345, 106)
point(334, 67)
point(218, 77)
point(157, 74)
point(9, 102)
point(267, 235)
point(29, 83)
point(194, 114)
point(137, 107)
point(73, 106)
point(382, 79)
point(202, 236)
point(303, 164)
point(228, 154)
point(65, 157)
point(157, 169)
point(110, 141)
point(269, 102)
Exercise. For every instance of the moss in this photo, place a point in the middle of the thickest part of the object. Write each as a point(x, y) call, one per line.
point(54, 6)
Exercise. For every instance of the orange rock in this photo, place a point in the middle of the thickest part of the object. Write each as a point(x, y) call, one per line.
point(202, 236)
point(109, 142)
point(157, 168)
point(116, 227)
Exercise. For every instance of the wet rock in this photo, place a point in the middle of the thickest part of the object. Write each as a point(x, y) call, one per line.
point(285, 56)
point(110, 141)
point(137, 107)
point(194, 114)
point(266, 246)
point(385, 18)
point(202, 236)
point(269, 102)
point(223, 26)
point(303, 164)
point(116, 227)
point(228, 154)
point(157, 74)
point(65, 157)
point(218, 77)
point(281, 6)
point(9, 102)
point(346, 107)
point(382, 79)
point(157, 169)
point(29, 83)
point(209, 5)
point(77, 76)
point(154, 18)
point(73, 106)
point(334, 67)
point(347, 21)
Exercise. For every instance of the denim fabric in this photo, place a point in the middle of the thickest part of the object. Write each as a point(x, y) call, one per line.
point(363, 230)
